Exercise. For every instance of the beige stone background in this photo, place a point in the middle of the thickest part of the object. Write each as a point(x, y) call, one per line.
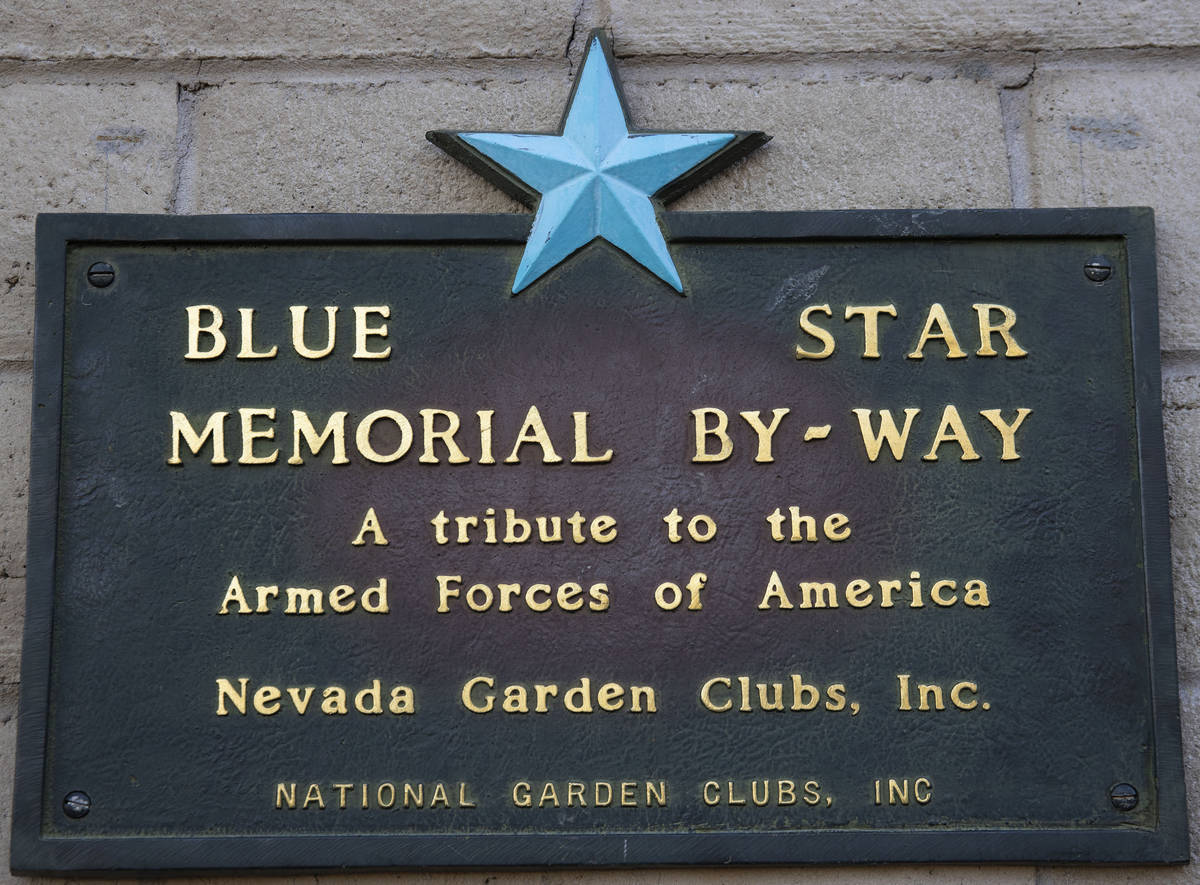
point(220, 106)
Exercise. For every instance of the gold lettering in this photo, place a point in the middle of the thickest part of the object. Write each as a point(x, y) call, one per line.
point(858, 593)
point(603, 529)
point(764, 432)
point(811, 328)
point(370, 524)
point(870, 315)
point(362, 331)
point(544, 692)
point(888, 432)
point(225, 690)
point(300, 698)
point(952, 430)
point(987, 328)
point(368, 700)
point(516, 699)
point(374, 599)
point(703, 431)
point(335, 429)
point(935, 593)
point(454, 455)
point(387, 790)
point(1008, 432)
point(578, 698)
point(485, 436)
point(534, 431)
point(930, 693)
point(468, 700)
point(307, 599)
point(956, 694)
point(945, 332)
point(642, 693)
point(249, 435)
point(181, 428)
point(706, 694)
point(977, 594)
point(298, 312)
point(611, 697)
point(235, 595)
point(825, 593)
point(776, 592)
point(834, 525)
point(362, 437)
point(266, 700)
point(265, 593)
point(581, 443)
point(248, 352)
point(333, 701)
point(213, 330)
point(402, 701)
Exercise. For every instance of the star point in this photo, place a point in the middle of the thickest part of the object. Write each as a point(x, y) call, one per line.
point(596, 178)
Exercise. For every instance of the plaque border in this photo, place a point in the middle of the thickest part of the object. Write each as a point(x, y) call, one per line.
point(32, 852)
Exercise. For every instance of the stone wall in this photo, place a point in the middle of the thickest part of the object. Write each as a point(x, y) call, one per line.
point(303, 106)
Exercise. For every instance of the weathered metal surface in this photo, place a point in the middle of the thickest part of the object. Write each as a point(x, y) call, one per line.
point(1060, 743)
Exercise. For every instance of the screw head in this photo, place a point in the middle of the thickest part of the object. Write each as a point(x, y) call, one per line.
point(101, 274)
point(1098, 269)
point(77, 804)
point(1123, 797)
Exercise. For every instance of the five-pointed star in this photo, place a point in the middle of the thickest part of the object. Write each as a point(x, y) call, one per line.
point(597, 177)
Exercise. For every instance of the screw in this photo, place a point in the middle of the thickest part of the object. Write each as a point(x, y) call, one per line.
point(77, 804)
point(1098, 269)
point(101, 274)
point(1124, 797)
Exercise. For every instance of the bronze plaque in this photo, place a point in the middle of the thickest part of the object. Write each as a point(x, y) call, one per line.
point(341, 555)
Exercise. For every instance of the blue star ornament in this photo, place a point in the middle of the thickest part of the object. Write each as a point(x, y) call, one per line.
point(596, 177)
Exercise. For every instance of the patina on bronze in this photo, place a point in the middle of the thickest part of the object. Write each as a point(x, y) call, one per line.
point(669, 683)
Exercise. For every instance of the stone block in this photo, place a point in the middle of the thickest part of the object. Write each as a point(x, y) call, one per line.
point(74, 148)
point(1127, 137)
point(734, 27)
point(15, 404)
point(12, 619)
point(836, 145)
point(357, 147)
point(840, 144)
point(1181, 420)
point(138, 29)
point(8, 756)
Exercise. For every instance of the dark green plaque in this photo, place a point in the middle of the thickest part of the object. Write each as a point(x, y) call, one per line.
point(656, 587)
